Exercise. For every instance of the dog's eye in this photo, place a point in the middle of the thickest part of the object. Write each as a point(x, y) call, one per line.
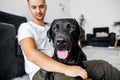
point(55, 28)
point(70, 27)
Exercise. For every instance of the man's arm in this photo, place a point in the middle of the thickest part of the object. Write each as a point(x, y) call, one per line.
point(46, 62)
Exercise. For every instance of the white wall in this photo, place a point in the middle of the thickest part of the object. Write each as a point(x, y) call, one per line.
point(20, 7)
point(55, 9)
point(98, 13)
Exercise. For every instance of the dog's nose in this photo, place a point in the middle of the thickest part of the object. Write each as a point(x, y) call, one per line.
point(61, 41)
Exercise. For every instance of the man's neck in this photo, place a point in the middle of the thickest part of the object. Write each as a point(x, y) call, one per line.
point(38, 22)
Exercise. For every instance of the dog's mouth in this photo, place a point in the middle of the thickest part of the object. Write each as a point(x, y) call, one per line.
point(62, 54)
point(63, 47)
point(63, 51)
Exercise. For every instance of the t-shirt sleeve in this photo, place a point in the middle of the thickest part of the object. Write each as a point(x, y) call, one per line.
point(24, 31)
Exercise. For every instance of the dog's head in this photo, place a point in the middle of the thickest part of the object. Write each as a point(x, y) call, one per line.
point(65, 34)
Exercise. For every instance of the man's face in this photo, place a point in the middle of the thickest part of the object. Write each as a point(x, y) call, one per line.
point(37, 8)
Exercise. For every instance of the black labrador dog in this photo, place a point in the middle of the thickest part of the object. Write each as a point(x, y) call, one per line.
point(65, 34)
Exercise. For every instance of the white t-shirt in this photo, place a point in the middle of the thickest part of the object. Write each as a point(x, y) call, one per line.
point(39, 34)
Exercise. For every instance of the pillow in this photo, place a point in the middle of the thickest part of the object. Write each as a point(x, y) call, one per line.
point(101, 34)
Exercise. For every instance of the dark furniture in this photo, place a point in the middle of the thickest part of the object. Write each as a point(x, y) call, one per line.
point(11, 57)
point(101, 37)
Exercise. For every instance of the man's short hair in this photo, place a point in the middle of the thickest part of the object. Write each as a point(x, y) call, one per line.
point(44, 0)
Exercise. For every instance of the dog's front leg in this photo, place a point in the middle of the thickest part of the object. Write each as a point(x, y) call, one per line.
point(49, 76)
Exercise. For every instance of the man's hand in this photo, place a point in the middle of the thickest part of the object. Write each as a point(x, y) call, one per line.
point(74, 71)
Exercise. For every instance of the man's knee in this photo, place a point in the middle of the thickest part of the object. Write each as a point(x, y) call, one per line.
point(101, 69)
point(96, 68)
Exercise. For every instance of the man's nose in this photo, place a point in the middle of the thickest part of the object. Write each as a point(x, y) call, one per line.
point(38, 10)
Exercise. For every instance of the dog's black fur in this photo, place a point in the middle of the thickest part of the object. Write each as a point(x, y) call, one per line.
point(65, 34)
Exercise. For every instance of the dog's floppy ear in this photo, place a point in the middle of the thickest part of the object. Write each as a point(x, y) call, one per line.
point(49, 32)
point(82, 33)
point(79, 29)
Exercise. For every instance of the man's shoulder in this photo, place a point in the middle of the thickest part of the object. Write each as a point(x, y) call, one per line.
point(25, 25)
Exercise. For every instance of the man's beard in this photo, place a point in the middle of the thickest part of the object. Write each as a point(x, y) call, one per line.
point(41, 19)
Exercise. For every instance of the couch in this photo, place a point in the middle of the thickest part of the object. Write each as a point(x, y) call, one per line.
point(101, 37)
point(11, 57)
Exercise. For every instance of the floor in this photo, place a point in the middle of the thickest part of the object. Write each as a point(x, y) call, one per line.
point(110, 54)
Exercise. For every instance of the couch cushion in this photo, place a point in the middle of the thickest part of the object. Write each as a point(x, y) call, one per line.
point(101, 34)
point(100, 39)
point(8, 59)
point(16, 21)
point(12, 19)
point(100, 29)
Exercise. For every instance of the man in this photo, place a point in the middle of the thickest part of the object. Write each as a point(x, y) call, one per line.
point(37, 49)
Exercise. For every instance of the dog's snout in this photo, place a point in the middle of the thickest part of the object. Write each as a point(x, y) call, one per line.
point(61, 41)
